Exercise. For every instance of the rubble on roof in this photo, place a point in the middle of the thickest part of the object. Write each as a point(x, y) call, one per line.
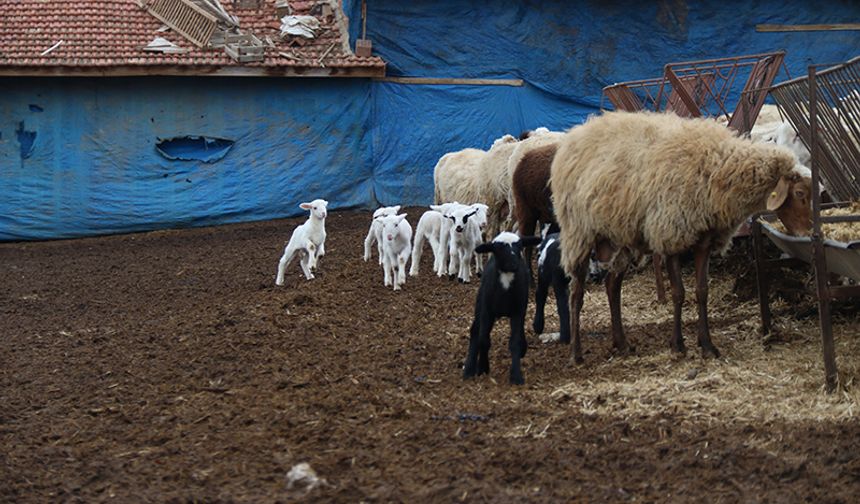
point(161, 44)
point(302, 26)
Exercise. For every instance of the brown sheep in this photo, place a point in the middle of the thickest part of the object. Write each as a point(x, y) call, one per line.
point(532, 196)
point(629, 184)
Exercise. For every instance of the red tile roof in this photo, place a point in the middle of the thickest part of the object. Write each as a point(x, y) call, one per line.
point(100, 35)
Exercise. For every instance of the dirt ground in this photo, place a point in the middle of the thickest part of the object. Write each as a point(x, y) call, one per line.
point(167, 366)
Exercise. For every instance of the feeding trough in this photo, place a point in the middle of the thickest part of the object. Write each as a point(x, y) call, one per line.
point(840, 257)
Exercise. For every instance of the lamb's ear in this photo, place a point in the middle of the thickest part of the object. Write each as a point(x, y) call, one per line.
point(484, 248)
point(401, 217)
point(437, 208)
point(777, 197)
point(395, 208)
point(530, 241)
point(306, 206)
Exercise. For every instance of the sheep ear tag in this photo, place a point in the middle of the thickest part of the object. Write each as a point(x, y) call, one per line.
point(780, 192)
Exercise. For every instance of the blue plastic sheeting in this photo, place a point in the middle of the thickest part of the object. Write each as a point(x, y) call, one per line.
point(194, 148)
point(94, 168)
point(78, 156)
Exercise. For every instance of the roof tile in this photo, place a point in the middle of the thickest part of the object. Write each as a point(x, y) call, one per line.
point(114, 33)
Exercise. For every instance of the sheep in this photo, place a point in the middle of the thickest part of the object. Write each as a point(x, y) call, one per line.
point(308, 240)
point(455, 177)
point(542, 137)
point(550, 273)
point(504, 292)
point(531, 192)
point(628, 184)
point(465, 233)
point(374, 234)
point(444, 235)
point(494, 182)
point(430, 228)
point(396, 244)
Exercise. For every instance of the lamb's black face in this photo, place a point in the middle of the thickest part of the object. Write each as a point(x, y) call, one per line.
point(507, 256)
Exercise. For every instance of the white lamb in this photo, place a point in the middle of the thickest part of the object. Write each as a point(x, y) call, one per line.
point(465, 235)
point(430, 228)
point(396, 245)
point(308, 240)
point(375, 231)
point(444, 233)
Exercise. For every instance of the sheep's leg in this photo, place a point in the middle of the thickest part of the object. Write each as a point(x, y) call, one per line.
point(465, 266)
point(285, 261)
point(613, 291)
point(479, 267)
point(576, 297)
point(673, 267)
point(368, 241)
point(386, 269)
point(435, 246)
point(561, 287)
point(453, 254)
point(401, 270)
point(417, 250)
point(527, 228)
point(702, 257)
point(379, 243)
point(540, 301)
point(305, 261)
point(444, 235)
point(484, 345)
point(517, 345)
point(477, 360)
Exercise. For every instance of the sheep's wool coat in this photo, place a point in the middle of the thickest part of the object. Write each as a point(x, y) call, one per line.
point(652, 182)
point(456, 176)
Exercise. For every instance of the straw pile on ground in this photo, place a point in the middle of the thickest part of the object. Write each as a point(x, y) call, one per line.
point(753, 383)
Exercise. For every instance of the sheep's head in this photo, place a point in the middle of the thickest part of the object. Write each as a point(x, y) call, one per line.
point(506, 248)
point(381, 212)
point(317, 208)
point(460, 217)
point(391, 226)
point(481, 215)
point(791, 199)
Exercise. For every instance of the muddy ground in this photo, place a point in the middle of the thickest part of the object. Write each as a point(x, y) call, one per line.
point(167, 366)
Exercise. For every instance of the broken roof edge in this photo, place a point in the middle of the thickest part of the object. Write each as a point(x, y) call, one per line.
point(190, 71)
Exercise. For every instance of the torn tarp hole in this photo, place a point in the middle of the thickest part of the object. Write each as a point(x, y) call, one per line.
point(194, 148)
point(27, 139)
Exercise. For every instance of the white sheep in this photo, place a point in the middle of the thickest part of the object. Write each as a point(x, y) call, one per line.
point(494, 182)
point(465, 235)
point(455, 176)
point(445, 209)
point(396, 245)
point(308, 240)
point(429, 228)
point(628, 184)
point(374, 234)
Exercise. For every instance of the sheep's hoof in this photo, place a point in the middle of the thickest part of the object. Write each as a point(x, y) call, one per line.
point(460, 280)
point(451, 277)
point(710, 351)
point(577, 359)
point(678, 348)
point(478, 274)
point(517, 379)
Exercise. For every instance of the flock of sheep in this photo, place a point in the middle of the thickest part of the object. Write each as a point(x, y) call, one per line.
point(616, 188)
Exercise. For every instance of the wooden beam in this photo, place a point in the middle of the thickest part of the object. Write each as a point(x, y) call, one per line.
point(434, 81)
point(807, 27)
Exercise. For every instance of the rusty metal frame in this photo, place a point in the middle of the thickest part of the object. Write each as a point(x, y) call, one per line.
point(829, 125)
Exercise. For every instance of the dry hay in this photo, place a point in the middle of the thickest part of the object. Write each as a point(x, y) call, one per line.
point(749, 384)
point(839, 231)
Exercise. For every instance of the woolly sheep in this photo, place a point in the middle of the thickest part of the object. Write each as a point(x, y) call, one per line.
point(396, 245)
point(455, 177)
point(633, 183)
point(374, 234)
point(308, 240)
point(536, 141)
point(531, 192)
point(495, 183)
point(504, 292)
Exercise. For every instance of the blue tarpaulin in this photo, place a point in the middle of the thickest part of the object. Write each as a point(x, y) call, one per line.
point(78, 156)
